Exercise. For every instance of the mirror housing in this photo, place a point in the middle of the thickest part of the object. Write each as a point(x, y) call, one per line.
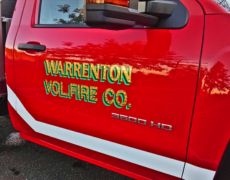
point(107, 16)
point(116, 17)
point(161, 9)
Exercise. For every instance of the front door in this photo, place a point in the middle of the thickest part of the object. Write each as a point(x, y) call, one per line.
point(128, 94)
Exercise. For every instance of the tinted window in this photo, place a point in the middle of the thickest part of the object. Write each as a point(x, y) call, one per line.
point(224, 3)
point(61, 12)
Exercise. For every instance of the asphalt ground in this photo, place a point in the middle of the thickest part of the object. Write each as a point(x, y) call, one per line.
point(21, 159)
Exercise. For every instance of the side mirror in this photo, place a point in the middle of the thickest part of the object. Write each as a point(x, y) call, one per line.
point(107, 16)
point(161, 9)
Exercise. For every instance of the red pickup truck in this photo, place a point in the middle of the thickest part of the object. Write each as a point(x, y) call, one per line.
point(140, 88)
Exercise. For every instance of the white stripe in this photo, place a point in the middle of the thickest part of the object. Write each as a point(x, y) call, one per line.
point(136, 156)
point(192, 172)
point(156, 162)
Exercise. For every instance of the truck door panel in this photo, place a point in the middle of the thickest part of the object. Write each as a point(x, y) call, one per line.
point(162, 65)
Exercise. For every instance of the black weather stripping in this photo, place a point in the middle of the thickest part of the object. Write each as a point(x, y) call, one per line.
point(223, 171)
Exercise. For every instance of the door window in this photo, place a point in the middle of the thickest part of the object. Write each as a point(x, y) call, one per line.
point(61, 12)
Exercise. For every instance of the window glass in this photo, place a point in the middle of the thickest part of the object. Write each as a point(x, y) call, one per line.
point(61, 12)
point(224, 3)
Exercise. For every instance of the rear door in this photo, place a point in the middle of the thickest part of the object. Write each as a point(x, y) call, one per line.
point(128, 94)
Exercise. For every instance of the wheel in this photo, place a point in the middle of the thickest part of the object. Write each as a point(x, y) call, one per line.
point(3, 106)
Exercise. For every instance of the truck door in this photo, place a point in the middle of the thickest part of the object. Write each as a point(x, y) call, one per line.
point(126, 94)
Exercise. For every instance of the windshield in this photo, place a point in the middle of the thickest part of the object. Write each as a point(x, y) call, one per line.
point(224, 3)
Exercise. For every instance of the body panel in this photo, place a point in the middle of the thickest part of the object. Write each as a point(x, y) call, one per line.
point(165, 69)
point(9, 68)
point(210, 131)
point(100, 159)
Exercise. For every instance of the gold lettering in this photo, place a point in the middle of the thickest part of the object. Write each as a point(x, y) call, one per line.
point(68, 69)
point(60, 69)
point(104, 69)
point(72, 90)
point(94, 71)
point(85, 67)
point(123, 97)
point(57, 86)
point(47, 86)
point(62, 94)
point(93, 93)
point(76, 70)
point(111, 93)
point(51, 67)
point(85, 91)
point(126, 73)
point(78, 91)
point(117, 73)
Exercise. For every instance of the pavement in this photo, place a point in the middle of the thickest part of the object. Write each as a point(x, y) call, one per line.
point(21, 159)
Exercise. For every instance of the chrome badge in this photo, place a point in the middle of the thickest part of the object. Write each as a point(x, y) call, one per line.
point(141, 121)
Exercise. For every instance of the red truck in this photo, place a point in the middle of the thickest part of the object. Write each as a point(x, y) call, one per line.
point(140, 88)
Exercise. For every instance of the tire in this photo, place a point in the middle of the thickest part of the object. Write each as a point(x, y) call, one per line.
point(223, 172)
point(3, 106)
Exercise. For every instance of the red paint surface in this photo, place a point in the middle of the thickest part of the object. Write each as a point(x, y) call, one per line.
point(210, 127)
point(99, 159)
point(163, 87)
point(9, 63)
